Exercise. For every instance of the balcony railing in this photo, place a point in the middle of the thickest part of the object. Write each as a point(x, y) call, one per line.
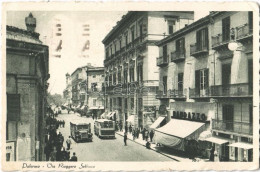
point(232, 90)
point(163, 60)
point(243, 31)
point(237, 90)
point(170, 94)
point(232, 126)
point(196, 50)
point(178, 56)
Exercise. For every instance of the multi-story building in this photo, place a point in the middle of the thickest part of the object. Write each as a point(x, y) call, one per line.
point(131, 74)
point(95, 90)
point(27, 72)
point(209, 80)
point(79, 85)
point(67, 93)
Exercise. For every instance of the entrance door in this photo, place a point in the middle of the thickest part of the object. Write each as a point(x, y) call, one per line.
point(225, 149)
point(228, 117)
point(236, 154)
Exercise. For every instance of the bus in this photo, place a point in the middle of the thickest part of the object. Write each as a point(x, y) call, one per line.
point(104, 128)
point(80, 131)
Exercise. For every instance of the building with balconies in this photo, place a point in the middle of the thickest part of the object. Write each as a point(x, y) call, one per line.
point(132, 60)
point(211, 73)
point(79, 85)
point(95, 90)
point(67, 92)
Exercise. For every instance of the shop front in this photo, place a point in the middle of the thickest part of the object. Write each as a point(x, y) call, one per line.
point(188, 120)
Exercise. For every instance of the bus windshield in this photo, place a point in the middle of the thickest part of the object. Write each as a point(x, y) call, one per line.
point(80, 127)
point(106, 124)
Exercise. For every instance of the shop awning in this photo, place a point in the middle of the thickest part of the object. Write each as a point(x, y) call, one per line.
point(242, 145)
point(174, 132)
point(180, 128)
point(157, 123)
point(217, 140)
point(131, 119)
point(204, 135)
point(103, 115)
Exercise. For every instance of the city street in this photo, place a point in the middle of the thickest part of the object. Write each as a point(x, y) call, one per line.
point(106, 149)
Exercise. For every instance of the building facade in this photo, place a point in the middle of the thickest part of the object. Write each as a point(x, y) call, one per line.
point(27, 72)
point(210, 75)
point(95, 90)
point(131, 74)
point(67, 93)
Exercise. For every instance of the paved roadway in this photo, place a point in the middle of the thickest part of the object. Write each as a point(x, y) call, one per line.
point(106, 149)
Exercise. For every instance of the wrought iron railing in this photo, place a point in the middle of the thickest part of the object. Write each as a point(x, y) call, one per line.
point(243, 30)
point(163, 60)
point(178, 55)
point(232, 126)
point(195, 49)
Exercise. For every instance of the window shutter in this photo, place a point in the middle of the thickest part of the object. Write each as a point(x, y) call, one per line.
point(197, 81)
point(13, 107)
point(206, 73)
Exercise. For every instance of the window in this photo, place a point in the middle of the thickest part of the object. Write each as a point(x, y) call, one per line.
point(13, 107)
point(180, 45)
point(111, 104)
point(110, 80)
point(133, 33)
point(171, 27)
point(111, 51)
point(141, 29)
point(126, 38)
point(114, 78)
point(119, 76)
point(250, 114)
point(115, 46)
point(165, 84)
point(125, 76)
point(120, 44)
point(94, 102)
point(226, 74)
point(132, 74)
point(140, 72)
point(94, 86)
point(201, 81)
point(202, 39)
point(126, 106)
point(180, 82)
point(132, 103)
point(226, 29)
point(107, 53)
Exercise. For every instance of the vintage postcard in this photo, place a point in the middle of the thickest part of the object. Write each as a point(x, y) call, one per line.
point(130, 86)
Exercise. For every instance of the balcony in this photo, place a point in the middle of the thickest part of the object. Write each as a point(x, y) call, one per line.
point(122, 50)
point(162, 61)
point(232, 90)
point(170, 94)
point(197, 51)
point(178, 56)
point(129, 46)
point(243, 31)
point(233, 127)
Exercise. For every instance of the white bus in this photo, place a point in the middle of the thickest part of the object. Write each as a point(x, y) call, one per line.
point(104, 128)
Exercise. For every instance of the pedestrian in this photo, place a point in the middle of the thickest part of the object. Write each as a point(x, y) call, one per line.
point(63, 154)
point(125, 139)
point(126, 128)
point(47, 151)
point(63, 124)
point(137, 133)
point(74, 157)
point(151, 135)
point(53, 154)
point(133, 133)
point(143, 133)
point(211, 158)
point(130, 129)
point(68, 156)
point(68, 141)
point(148, 145)
point(146, 135)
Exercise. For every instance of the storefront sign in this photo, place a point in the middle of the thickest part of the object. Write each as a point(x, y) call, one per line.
point(10, 151)
point(189, 116)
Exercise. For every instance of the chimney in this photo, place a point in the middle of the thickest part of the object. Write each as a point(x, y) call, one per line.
point(30, 23)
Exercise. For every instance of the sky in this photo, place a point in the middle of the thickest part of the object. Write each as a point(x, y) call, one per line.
point(72, 28)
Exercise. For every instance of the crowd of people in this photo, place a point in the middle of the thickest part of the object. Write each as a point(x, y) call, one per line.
point(54, 141)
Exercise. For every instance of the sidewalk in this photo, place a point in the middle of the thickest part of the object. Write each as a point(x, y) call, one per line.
point(177, 156)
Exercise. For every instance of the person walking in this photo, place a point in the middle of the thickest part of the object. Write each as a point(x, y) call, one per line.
point(151, 135)
point(68, 141)
point(137, 133)
point(53, 154)
point(130, 129)
point(47, 151)
point(125, 138)
point(143, 132)
point(146, 135)
point(74, 157)
point(133, 133)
